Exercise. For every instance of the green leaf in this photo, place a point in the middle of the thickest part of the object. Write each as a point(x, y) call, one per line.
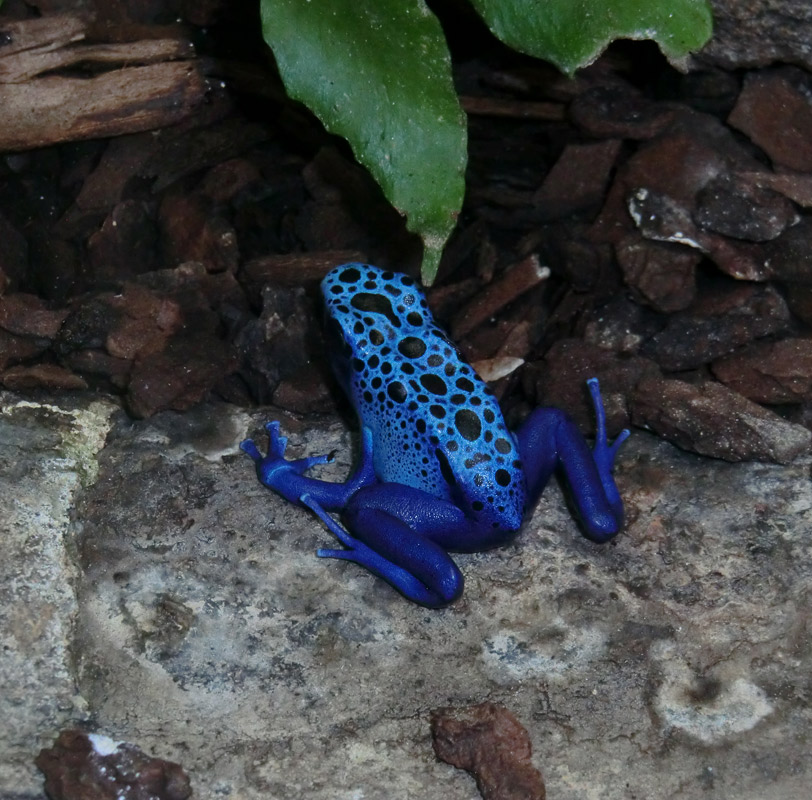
point(573, 33)
point(378, 73)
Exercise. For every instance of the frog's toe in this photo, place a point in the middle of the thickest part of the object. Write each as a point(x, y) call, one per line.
point(276, 443)
point(248, 447)
point(605, 453)
point(337, 530)
point(621, 437)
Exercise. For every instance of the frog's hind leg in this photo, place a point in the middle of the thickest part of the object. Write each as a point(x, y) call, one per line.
point(385, 545)
point(550, 440)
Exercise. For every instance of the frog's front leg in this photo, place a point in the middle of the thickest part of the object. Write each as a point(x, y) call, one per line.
point(288, 479)
point(401, 534)
point(549, 439)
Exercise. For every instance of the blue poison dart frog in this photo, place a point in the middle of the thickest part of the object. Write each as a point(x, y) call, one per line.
point(439, 469)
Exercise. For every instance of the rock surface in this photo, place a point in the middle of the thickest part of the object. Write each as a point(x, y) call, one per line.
point(156, 593)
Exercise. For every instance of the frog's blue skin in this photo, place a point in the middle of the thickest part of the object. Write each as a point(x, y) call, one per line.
point(439, 469)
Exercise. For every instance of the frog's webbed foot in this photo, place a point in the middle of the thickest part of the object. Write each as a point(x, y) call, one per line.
point(273, 469)
point(604, 453)
point(288, 478)
point(276, 452)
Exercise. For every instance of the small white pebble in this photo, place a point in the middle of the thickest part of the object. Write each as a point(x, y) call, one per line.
point(102, 744)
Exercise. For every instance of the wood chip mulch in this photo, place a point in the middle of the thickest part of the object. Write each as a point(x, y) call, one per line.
point(645, 227)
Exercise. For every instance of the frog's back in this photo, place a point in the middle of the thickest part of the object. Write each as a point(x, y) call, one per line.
point(435, 424)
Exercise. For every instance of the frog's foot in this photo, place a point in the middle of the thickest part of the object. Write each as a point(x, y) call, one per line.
point(275, 471)
point(425, 573)
point(288, 478)
point(604, 453)
point(275, 461)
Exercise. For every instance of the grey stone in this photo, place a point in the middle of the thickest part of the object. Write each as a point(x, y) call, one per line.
point(187, 614)
point(47, 453)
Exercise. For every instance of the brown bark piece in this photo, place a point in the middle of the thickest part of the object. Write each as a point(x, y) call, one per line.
point(797, 186)
point(712, 420)
point(511, 284)
point(97, 363)
point(13, 255)
point(41, 376)
point(26, 315)
point(14, 349)
point(729, 318)
point(619, 111)
point(179, 376)
point(663, 274)
point(125, 245)
point(58, 109)
point(192, 231)
point(560, 381)
point(489, 742)
point(82, 767)
point(770, 372)
point(512, 109)
point(294, 269)
point(147, 322)
point(28, 65)
point(757, 33)
point(775, 110)
point(123, 158)
point(41, 35)
point(578, 180)
point(41, 107)
point(733, 206)
point(657, 191)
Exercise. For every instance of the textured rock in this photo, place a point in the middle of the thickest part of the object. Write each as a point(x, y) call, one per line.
point(207, 631)
point(47, 453)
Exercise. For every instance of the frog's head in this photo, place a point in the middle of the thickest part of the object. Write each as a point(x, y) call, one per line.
point(366, 310)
